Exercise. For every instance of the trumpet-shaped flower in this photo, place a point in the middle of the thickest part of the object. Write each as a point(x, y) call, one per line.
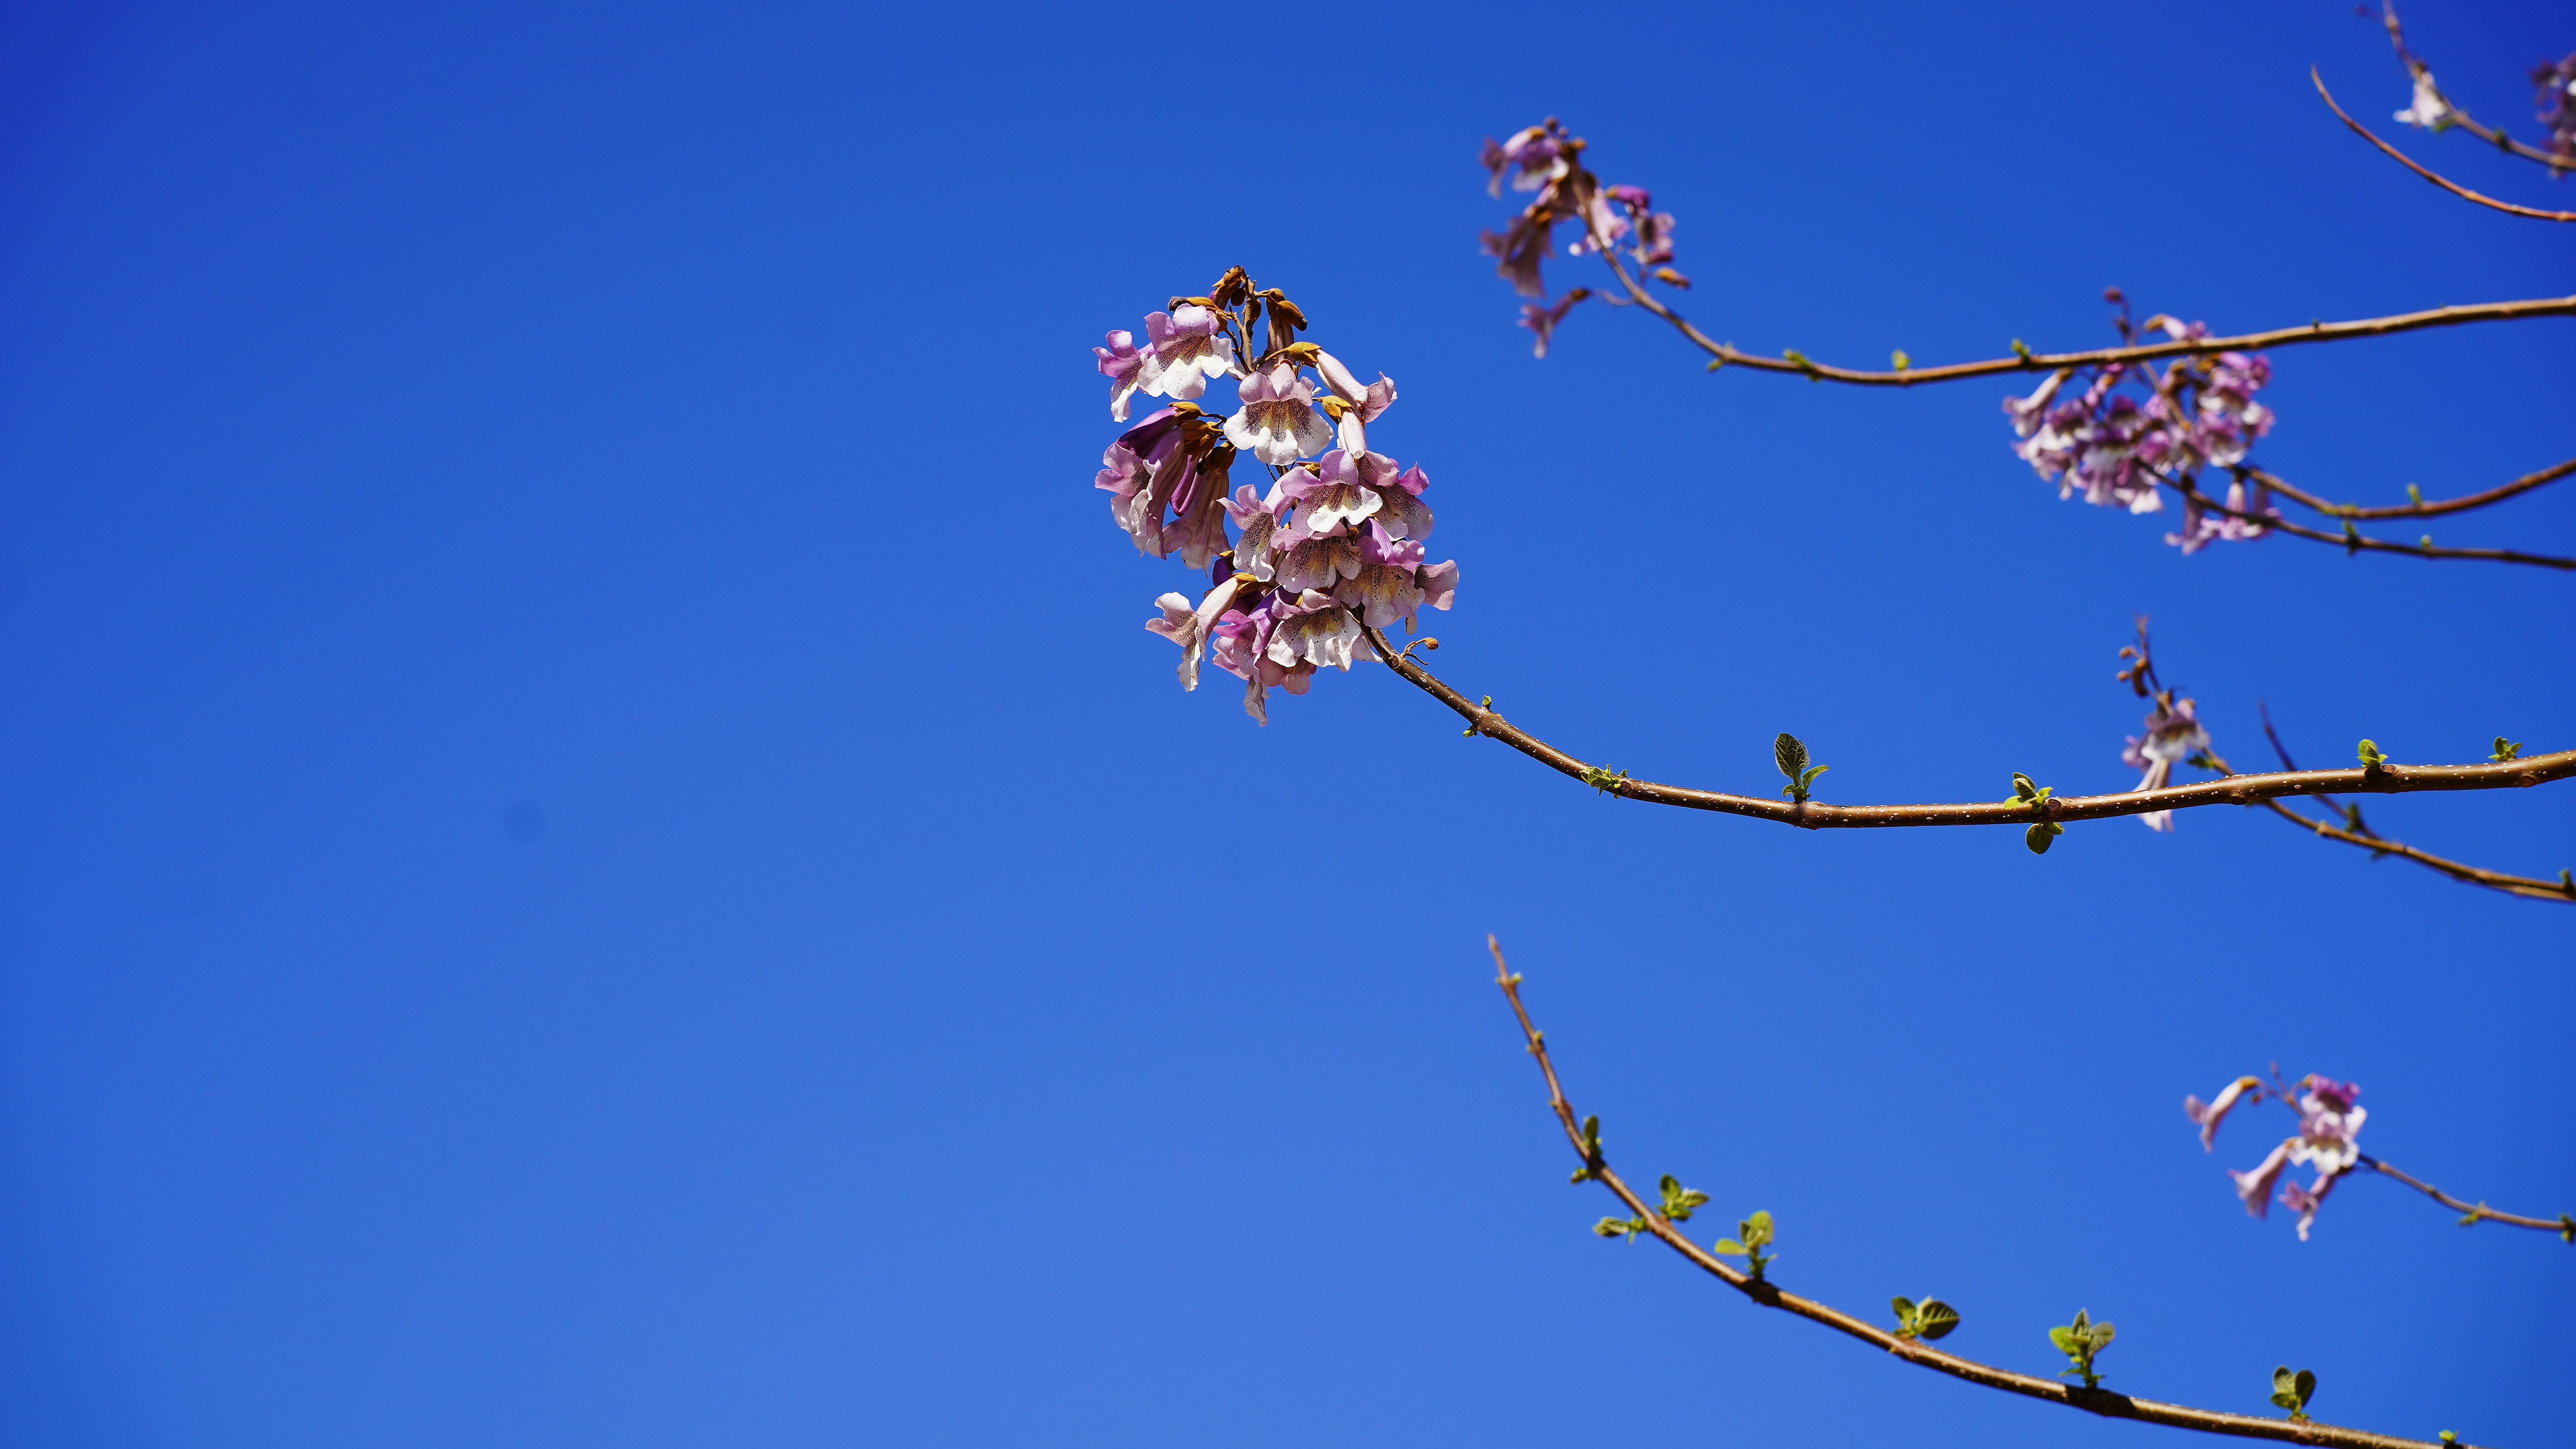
point(1188, 349)
point(2254, 1188)
point(1124, 365)
point(1543, 320)
point(2207, 1115)
point(1188, 626)
point(2430, 111)
point(1533, 157)
point(2306, 1200)
point(1314, 629)
point(1339, 491)
point(1277, 422)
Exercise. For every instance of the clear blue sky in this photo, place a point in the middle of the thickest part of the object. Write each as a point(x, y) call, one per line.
point(592, 852)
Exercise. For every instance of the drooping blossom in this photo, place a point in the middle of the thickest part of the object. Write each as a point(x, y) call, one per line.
point(1519, 249)
point(2326, 1140)
point(2173, 733)
point(2132, 431)
point(1331, 550)
point(2207, 1115)
point(2201, 526)
point(1567, 192)
point(1124, 365)
point(1188, 350)
point(1278, 423)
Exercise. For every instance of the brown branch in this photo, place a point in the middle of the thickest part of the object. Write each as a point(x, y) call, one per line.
point(2564, 1225)
point(2351, 541)
point(1815, 815)
point(2453, 187)
point(2434, 509)
point(2417, 70)
point(2520, 885)
point(1728, 355)
point(2097, 1401)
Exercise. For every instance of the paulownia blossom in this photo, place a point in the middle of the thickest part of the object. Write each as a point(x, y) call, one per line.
point(2556, 103)
point(1335, 543)
point(2130, 431)
point(2328, 1140)
point(2173, 735)
point(1544, 159)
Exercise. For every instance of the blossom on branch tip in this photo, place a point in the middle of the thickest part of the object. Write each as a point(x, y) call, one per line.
point(1534, 156)
point(1277, 422)
point(2254, 1188)
point(2555, 105)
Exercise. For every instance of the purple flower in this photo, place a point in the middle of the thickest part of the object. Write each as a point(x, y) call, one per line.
point(1543, 320)
point(2173, 733)
point(1277, 422)
point(2200, 527)
point(1382, 585)
point(1520, 248)
point(1319, 563)
point(1534, 156)
point(1354, 407)
point(2207, 1115)
point(1188, 627)
point(2555, 103)
point(1124, 366)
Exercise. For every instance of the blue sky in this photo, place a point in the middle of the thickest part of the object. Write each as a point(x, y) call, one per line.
point(591, 850)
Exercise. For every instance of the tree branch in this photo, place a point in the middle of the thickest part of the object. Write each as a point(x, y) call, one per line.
point(2417, 70)
point(2353, 541)
point(1726, 353)
point(2564, 1226)
point(2097, 1401)
point(2434, 509)
point(1814, 815)
point(2521, 885)
point(2453, 187)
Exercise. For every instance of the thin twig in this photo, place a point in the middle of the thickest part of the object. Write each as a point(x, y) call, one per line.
point(2453, 187)
point(1729, 355)
point(2351, 541)
point(2417, 70)
point(2097, 1401)
point(2520, 885)
point(2436, 508)
point(1815, 815)
point(2564, 1225)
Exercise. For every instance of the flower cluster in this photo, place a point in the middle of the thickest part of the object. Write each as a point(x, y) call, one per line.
point(1545, 160)
point(2555, 103)
point(2327, 1140)
point(2121, 431)
point(1333, 549)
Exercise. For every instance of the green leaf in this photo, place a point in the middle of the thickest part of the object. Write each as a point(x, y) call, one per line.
point(1611, 1227)
point(1757, 1228)
point(1790, 754)
point(2370, 755)
point(2065, 1339)
point(1904, 1310)
point(1807, 777)
point(2102, 1334)
point(1935, 1318)
point(1902, 361)
point(1730, 1248)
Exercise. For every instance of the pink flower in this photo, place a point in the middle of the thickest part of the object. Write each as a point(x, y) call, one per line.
point(1188, 627)
point(2255, 1188)
point(2208, 1115)
point(2173, 733)
point(1277, 422)
point(1188, 350)
point(1124, 366)
point(1319, 563)
point(2306, 1200)
point(1354, 406)
point(1534, 156)
point(1338, 492)
point(1382, 585)
point(1314, 630)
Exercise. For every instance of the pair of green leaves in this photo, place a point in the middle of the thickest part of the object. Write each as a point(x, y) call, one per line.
point(1930, 1318)
point(1790, 754)
point(2292, 1391)
point(2372, 759)
point(2041, 833)
point(2080, 1341)
point(2506, 749)
point(1679, 1202)
point(1751, 1235)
